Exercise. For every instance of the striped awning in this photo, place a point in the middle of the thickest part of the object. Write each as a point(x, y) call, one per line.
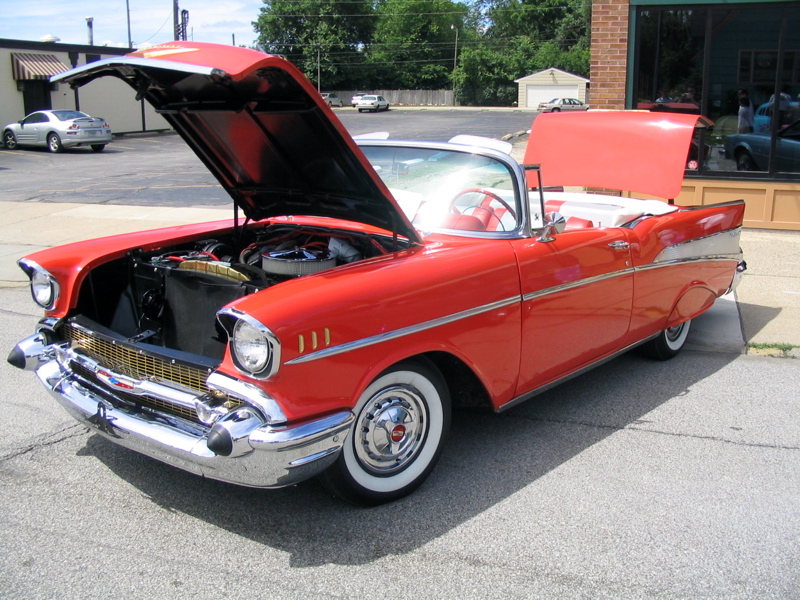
point(25, 65)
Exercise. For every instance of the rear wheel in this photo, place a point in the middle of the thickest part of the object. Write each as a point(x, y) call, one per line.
point(668, 343)
point(54, 143)
point(402, 420)
point(556, 110)
point(10, 140)
point(98, 147)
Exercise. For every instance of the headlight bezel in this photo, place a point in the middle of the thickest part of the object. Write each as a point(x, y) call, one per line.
point(244, 330)
point(44, 287)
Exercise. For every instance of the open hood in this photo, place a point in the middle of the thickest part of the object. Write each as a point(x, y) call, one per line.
point(631, 151)
point(260, 127)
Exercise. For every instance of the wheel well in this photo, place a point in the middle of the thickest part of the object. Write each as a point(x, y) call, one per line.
point(466, 390)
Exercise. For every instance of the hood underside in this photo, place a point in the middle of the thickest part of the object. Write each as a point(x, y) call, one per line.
point(619, 150)
point(260, 127)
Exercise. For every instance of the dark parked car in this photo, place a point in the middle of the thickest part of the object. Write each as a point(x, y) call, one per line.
point(751, 150)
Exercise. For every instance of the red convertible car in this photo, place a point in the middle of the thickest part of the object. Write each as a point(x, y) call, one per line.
point(370, 285)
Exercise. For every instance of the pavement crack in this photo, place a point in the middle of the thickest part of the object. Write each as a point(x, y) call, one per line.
point(57, 436)
point(635, 427)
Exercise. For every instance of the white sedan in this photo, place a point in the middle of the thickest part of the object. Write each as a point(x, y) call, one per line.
point(372, 102)
point(58, 129)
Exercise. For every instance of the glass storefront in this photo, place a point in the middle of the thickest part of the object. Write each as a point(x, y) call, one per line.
point(738, 65)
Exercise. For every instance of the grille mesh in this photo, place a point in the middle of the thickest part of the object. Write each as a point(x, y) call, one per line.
point(140, 365)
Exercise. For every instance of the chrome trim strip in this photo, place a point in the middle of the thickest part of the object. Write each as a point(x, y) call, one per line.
point(574, 284)
point(696, 259)
point(398, 333)
point(528, 395)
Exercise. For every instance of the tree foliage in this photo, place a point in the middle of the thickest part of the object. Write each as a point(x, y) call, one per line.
point(477, 47)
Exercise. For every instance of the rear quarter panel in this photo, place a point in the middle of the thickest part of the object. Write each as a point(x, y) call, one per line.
point(683, 261)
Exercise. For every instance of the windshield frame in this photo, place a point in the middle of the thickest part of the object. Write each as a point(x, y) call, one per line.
point(523, 228)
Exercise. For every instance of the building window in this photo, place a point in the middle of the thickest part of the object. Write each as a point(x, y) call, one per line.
point(736, 64)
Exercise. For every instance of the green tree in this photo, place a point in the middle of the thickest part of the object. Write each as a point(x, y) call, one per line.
point(320, 37)
point(414, 42)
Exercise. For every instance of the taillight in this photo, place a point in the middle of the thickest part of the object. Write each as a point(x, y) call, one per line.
point(74, 126)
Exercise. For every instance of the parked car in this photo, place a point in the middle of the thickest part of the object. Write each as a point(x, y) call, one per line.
point(374, 285)
point(356, 97)
point(751, 150)
point(57, 130)
point(559, 104)
point(372, 102)
point(332, 99)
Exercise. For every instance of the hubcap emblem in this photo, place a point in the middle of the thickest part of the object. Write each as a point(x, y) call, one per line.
point(398, 433)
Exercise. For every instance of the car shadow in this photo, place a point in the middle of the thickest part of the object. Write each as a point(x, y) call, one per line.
point(756, 317)
point(488, 458)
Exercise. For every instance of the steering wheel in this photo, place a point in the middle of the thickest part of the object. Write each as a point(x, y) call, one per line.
point(485, 204)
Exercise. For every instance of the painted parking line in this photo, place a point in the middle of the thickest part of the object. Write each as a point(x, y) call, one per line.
point(138, 187)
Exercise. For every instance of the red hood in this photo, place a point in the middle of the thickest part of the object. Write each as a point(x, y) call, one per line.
point(260, 127)
point(631, 151)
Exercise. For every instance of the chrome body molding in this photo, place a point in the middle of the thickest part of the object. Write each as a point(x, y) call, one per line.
point(716, 247)
point(577, 283)
point(723, 245)
point(265, 455)
point(398, 333)
point(528, 395)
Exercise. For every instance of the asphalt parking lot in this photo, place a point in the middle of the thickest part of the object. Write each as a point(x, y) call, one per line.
point(637, 480)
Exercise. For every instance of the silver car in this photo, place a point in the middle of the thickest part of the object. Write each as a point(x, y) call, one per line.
point(332, 99)
point(58, 129)
point(559, 104)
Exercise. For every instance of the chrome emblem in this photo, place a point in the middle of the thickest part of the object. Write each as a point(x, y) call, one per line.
point(116, 381)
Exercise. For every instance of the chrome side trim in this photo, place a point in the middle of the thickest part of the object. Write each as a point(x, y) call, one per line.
point(574, 284)
point(398, 333)
point(528, 395)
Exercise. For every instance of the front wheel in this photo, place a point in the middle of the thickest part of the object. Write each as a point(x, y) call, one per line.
point(745, 162)
point(54, 143)
point(10, 140)
point(402, 420)
point(668, 343)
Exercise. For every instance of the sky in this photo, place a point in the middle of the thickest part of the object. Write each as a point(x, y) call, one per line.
point(219, 21)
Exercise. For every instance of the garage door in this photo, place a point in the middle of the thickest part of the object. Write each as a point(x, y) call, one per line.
point(545, 93)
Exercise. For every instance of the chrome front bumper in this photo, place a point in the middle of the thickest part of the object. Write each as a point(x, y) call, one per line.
point(258, 454)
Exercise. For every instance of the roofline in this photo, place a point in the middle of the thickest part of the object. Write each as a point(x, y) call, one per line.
point(59, 47)
point(550, 69)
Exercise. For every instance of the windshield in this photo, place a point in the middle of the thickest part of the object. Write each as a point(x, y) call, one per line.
point(448, 189)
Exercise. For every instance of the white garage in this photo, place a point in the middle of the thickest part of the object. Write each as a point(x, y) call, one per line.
point(551, 83)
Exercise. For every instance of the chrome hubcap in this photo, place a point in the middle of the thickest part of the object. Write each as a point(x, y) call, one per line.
point(391, 430)
point(673, 333)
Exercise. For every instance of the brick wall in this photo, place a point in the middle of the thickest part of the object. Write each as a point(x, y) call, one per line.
point(609, 54)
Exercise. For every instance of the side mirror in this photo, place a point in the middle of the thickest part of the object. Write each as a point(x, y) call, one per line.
point(554, 222)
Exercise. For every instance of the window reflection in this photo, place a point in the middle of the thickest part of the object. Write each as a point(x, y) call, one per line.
point(737, 65)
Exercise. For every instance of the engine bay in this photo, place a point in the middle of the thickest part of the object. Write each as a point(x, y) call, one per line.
point(169, 297)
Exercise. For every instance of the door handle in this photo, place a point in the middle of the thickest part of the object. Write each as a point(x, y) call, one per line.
point(620, 245)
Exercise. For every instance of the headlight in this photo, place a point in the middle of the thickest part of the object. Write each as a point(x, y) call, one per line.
point(44, 287)
point(254, 348)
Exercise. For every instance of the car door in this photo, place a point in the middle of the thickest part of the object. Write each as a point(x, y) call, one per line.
point(29, 128)
point(787, 152)
point(577, 293)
